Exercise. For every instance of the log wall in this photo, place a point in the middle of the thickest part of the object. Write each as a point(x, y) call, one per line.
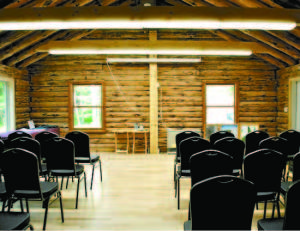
point(21, 93)
point(283, 76)
point(127, 93)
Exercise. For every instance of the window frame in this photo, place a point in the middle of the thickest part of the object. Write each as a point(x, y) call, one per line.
point(10, 102)
point(71, 106)
point(236, 101)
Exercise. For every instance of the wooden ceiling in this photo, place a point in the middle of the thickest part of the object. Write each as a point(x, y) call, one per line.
point(20, 48)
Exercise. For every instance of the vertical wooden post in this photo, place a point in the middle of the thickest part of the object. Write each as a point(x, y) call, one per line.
point(153, 100)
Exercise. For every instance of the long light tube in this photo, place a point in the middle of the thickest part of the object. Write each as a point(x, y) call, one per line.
point(153, 60)
point(228, 52)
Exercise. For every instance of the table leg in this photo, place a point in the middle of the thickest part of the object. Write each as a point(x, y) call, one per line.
point(146, 143)
point(127, 142)
point(133, 143)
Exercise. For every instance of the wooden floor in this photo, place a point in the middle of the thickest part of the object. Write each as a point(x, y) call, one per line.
point(137, 193)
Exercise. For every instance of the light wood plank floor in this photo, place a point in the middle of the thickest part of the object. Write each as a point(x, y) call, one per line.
point(137, 193)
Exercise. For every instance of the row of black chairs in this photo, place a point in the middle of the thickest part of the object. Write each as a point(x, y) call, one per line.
point(230, 151)
point(53, 156)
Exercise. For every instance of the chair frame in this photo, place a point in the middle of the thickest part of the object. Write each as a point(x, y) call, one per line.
point(33, 189)
point(82, 152)
point(58, 148)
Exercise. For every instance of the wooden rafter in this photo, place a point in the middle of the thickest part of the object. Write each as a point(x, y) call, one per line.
point(44, 37)
point(11, 36)
point(21, 44)
point(17, 4)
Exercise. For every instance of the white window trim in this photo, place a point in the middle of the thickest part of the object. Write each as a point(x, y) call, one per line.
point(11, 102)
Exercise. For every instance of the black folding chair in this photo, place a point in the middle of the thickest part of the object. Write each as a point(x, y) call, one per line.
point(264, 168)
point(60, 159)
point(221, 203)
point(82, 151)
point(22, 181)
point(291, 215)
point(219, 135)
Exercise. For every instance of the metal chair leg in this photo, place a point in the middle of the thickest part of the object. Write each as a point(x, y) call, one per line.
point(45, 216)
point(77, 193)
point(92, 180)
point(100, 166)
point(61, 208)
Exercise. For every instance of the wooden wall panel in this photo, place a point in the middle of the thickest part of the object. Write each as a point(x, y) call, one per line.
point(284, 75)
point(21, 93)
point(180, 93)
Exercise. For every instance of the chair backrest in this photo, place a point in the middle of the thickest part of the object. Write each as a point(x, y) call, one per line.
point(17, 134)
point(276, 143)
point(264, 168)
point(234, 147)
point(222, 203)
point(182, 136)
point(190, 146)
point(43, 136)
point(28, 144)
point(252, 140)
point(293, 137)
point(292, 204)
point(209, 163)
point(219, 135)
point(21, 171)
point(81, 141)
point(60, 154)
point(296, 167)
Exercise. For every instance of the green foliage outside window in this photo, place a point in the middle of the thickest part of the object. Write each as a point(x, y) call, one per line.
point(87, 106)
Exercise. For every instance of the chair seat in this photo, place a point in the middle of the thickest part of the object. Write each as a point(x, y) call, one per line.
point(79, 169)
point(270, 224)
point(86, 160)
point(47, 189)
point(285, 186)
point(263, 196)
point(187, 225)
point(14, 220)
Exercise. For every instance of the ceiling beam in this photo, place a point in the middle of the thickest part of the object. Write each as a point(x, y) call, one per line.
point(151, 45)
point(166, 13)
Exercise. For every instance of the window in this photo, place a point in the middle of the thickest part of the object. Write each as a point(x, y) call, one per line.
point(294, 103)
point(7, 106)
point(220, 106)
point(86, 106)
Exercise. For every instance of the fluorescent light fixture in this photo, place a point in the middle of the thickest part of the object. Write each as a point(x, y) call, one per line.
point(229, 52)
point(153, 60)
point(115, 24)
point(151, 17)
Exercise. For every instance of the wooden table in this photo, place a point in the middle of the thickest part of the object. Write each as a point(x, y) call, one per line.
point(134, 133)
